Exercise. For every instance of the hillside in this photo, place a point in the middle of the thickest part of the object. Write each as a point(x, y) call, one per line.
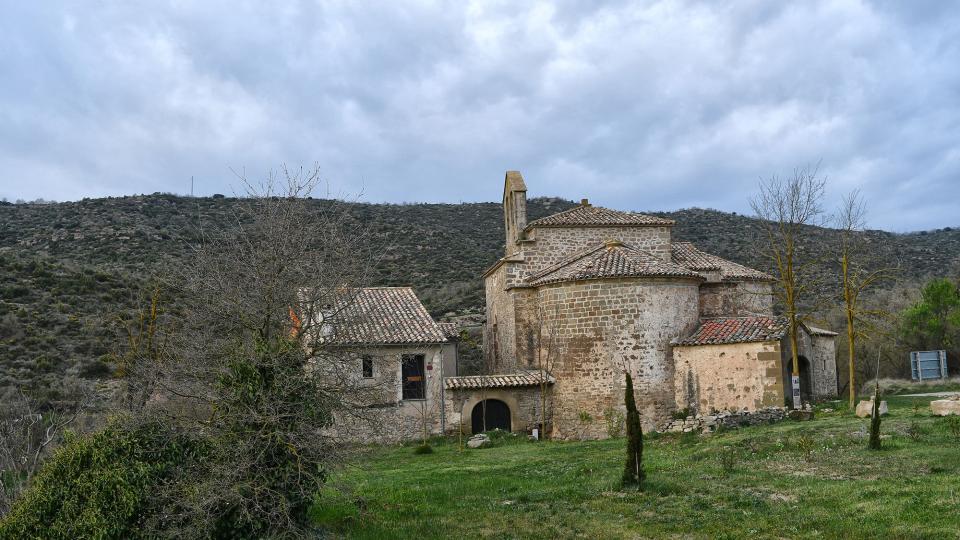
point(68, 269)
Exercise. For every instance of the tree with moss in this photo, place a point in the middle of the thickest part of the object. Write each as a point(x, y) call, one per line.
point(855, 280)
point(633, 474)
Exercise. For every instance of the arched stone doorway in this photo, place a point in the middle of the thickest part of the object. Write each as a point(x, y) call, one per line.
point(495, 412)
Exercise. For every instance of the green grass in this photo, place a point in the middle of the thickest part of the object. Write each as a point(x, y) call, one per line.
point(790, 480)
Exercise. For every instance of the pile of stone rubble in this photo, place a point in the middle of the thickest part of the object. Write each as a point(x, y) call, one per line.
point(728, 419)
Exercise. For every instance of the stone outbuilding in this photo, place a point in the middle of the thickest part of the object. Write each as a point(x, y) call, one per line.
point(584, 295)
point(744, 363)
point(398, 357)
point(510, 402)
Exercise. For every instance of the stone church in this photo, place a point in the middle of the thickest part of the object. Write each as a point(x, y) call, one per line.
point(585, 294)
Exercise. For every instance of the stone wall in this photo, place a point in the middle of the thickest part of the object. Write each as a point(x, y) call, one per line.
point(736, 299)
point(383, 415)
point(825, 363)
point(514, 218)
point(529, 328)
point(733, 376)
point(499, 333)
point(603, 326)
point(550, 245)
point(450, 352)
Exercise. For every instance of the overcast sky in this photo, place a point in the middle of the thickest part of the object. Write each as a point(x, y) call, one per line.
point(638, 106)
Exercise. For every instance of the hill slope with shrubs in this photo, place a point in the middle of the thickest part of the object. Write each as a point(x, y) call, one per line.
point(68, 270)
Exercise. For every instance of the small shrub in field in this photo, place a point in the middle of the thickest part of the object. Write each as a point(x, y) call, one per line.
point(681, 414)
point(917, 431)
point(953, 425)
point(423, 449)
point(806, 445)
point(727, 457)
point(756, 447)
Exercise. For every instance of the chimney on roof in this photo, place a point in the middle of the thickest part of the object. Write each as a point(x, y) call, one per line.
point(514, 209)
point(584, 202)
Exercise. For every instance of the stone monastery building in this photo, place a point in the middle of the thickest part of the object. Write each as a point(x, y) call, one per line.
point(577, 299)
point(587, 293)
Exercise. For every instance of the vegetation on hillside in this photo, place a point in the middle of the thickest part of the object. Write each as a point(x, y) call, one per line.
point(69, 271)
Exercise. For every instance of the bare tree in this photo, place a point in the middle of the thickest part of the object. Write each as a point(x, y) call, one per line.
point(27, 433)
point(254, 366)
point(855, 278)
point(786, 206)
point(549, 348)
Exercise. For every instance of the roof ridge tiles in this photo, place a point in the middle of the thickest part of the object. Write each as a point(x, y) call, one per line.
point(586, 215)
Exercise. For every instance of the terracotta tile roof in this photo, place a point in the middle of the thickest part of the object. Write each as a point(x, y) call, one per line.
point(450, 330)
point(609, 260)
point(586, 215)
point(523, 378)
point(725, 330)
point(381, 316)
point(687, 255)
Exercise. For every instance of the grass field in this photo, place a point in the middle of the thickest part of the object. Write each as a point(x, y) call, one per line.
point(789, 480)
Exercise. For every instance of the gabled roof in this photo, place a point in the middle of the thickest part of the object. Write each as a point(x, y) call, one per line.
point(381, 316)
point(611, 259)
point(587, 215)
point(724, 330)
point(523, 378)
point(687, 255)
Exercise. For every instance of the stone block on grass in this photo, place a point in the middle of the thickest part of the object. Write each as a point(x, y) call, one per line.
point(865, 408)
point(945, 407)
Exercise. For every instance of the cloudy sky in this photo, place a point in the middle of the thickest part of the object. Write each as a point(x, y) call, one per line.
point(638, 106)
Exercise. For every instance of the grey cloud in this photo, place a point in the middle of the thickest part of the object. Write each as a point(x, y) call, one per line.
point(642, 106)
